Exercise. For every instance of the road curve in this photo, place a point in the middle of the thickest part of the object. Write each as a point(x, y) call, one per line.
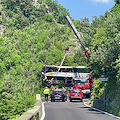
point(72, 111)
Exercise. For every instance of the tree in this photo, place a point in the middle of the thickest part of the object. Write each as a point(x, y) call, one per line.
point(117, 1)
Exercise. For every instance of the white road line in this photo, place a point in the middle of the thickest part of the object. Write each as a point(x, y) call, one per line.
point(43, 111)
point(85, 103)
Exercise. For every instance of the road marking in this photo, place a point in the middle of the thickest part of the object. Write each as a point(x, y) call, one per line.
point(85, 103)
point(43, 111)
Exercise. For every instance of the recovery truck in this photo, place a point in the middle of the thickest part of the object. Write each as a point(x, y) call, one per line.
point(84, 83)
point(83, 80)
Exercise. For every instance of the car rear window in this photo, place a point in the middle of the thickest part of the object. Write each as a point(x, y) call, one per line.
point(75, 91)
point(59, 92)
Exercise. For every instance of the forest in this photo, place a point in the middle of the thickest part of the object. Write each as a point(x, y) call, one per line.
point(35, 34)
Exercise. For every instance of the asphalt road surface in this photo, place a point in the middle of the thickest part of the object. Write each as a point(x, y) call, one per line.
point(72, 111)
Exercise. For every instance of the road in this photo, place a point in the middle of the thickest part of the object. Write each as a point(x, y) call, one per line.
point(72, 111)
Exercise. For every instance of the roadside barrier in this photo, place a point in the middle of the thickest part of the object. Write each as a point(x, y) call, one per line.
point(35, 113)
point(85, 103)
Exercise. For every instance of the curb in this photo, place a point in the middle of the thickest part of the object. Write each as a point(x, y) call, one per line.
point(43, 111)
point(85, 103)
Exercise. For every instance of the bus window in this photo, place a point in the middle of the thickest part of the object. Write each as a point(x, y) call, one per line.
point(75, 70)
point(62, 70)
point(83, 70)
point(50, 69)
point(69, 70)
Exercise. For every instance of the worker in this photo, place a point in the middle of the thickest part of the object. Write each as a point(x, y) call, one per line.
point(51, 89)
point(46, 93)
point(56, 88)
point(63, 89)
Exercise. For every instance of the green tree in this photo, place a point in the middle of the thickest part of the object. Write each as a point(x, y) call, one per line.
point(117, 1)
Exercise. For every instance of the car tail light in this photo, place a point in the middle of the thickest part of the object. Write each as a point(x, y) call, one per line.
point(52, 94)
point(62, 94)
point(71, 94)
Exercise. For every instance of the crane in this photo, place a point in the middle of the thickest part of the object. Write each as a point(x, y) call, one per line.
point(85, 49)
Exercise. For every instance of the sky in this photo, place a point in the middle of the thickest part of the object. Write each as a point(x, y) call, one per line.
point(86, 8)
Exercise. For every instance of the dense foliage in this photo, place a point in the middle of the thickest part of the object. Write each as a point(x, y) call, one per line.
point(36, 34)
point(105, 47)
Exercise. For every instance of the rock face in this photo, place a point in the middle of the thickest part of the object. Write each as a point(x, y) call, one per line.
point(1, 29)
point(105, 101)
point(100, 104)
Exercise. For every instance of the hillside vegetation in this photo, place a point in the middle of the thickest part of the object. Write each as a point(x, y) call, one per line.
point(36, 34)
point(105, 59)
point(33, 36)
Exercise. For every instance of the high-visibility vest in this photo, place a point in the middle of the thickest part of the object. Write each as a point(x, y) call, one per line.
point(46, 91)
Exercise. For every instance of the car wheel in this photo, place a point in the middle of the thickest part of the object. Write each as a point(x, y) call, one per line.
point(81, 100)
point(70, 100)
point(52, 100)
point(63, 99)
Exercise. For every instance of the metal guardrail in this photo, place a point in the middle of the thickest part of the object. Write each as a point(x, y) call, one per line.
point(35, 113)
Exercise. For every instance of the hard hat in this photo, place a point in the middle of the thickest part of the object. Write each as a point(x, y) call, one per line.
point(46, 87)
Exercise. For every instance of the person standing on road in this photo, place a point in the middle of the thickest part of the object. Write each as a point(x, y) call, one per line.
point(63, 89)
point(46, 93)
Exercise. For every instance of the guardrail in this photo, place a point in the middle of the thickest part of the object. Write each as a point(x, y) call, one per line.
point(35, 113)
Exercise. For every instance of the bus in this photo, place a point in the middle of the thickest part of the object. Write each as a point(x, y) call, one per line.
point(53, 75)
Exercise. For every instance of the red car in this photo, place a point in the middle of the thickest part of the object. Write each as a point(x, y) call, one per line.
point(75, 94)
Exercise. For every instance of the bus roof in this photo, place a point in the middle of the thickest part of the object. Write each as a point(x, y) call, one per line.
point(52, 66)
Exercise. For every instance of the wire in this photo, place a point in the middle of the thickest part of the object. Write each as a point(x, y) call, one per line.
point(62, 61)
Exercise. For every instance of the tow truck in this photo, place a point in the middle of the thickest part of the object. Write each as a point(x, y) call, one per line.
point(83, 80)
point(84, 83)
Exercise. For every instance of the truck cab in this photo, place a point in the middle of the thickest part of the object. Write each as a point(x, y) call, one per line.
point(84, 84)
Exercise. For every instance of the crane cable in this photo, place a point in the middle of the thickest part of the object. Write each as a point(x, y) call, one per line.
point(62, 61)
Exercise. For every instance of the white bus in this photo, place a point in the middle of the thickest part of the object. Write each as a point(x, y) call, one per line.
point(64, 74)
